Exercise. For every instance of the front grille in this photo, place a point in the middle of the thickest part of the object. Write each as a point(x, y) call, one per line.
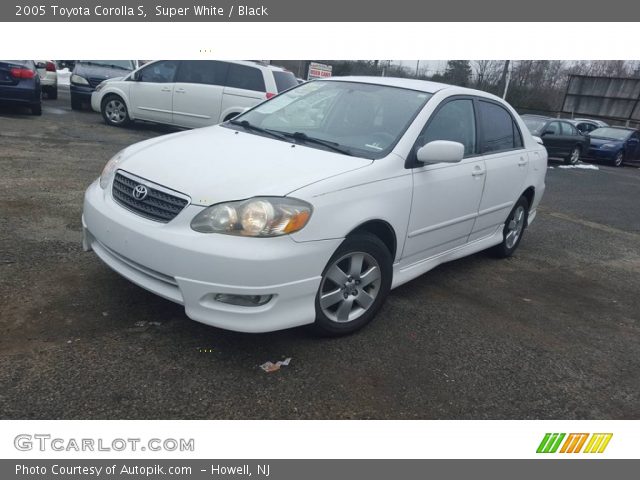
point(95, 81)
point(158, 205)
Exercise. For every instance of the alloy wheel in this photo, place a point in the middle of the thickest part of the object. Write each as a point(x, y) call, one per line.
point(350, 287)
point(515, 227)
point(575, 156)
point(115, 111)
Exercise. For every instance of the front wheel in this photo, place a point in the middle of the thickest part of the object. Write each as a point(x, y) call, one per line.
point(354, 285)
point(513, 230)
point(36, 109)
point(573, 157)
point(618, 160)
point(114, 111)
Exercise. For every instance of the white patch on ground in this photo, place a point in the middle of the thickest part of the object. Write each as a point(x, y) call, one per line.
point(63, 76)
point(551, 168)
point(580, 166)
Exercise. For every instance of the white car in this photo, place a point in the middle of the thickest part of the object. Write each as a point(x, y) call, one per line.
point(47, 71)
point(310, 207)
point(188, 93)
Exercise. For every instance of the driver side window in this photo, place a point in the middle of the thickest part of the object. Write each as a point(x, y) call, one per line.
point(159, 72)
point(456, 122)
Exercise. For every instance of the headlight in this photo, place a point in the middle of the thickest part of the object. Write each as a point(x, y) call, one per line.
point(100, 86)
point(255, 217)
point(79, 80)
point(609, 145)
point(110, 169)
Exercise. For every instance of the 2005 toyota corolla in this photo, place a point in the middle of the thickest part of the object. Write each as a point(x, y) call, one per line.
point(310, 207)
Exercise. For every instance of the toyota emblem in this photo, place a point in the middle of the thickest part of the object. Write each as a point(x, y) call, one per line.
point(140, 192)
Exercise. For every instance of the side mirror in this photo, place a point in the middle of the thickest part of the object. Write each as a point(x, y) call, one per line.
point(538, 140)
point(135, 76)
point(440, 151)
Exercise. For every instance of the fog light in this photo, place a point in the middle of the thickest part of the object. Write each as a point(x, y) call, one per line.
point(243, 300)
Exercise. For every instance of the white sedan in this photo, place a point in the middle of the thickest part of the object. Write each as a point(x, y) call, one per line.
point(311, 207)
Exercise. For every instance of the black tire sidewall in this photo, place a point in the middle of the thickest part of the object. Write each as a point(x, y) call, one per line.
point(360, 242)
point(568, 161)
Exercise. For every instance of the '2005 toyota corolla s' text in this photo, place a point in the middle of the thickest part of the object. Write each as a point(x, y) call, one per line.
point(310, 207)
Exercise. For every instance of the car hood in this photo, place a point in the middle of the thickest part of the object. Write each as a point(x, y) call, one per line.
point(598, 142)
point(216, 164)
point(96, 71)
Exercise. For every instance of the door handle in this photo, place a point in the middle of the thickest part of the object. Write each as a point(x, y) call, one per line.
point(478, 172)
point(180, 90)
point(165, 89)
point(522, 162)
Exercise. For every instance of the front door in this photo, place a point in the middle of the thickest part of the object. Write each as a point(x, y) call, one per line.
point(151, 94)
point(446, 196)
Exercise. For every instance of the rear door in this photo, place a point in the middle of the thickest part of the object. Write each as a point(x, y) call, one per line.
point(633, 147)
point(507, 163)
point(570, 137)
point(197, 96)
point(151, 94)
point(245, 87)
point(552, 138)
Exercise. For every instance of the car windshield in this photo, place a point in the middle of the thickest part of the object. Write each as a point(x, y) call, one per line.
point(362, 119)
point(534, 124)
point(611, 133)
point(122, 64)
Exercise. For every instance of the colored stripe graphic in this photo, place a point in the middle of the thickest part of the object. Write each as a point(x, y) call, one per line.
point(550, 442)
point(598, 442)
point(574, 442)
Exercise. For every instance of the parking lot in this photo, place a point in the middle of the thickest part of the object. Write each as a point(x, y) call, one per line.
point(553, 332)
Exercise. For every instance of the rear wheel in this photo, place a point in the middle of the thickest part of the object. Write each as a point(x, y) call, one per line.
point(354, 285)
point(52, 93)
point(114, 111)
point(574, 156)
point(618, 160)
point(513, 229)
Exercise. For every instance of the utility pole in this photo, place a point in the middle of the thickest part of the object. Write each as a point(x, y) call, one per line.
point(417, 67)
point(506, 78)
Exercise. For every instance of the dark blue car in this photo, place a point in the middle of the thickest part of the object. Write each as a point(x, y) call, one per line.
point(20, 84)
point(88, 74)
point(614, 145)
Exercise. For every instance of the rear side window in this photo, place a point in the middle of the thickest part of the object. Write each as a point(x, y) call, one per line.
point(284, 80)
point(159, 72)
point(553, 128)
point(500, 131)
point(245, 77)
point(206, 72)
point(455, 122)
point(568, 129)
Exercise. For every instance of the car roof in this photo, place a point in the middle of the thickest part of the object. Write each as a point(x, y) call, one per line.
point(629, 129)
point(409, 83)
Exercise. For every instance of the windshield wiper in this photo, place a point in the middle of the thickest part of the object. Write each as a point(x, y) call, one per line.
point(336, 147)
point(248, 126)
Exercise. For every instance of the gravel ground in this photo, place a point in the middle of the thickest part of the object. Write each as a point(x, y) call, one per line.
point(551, 333)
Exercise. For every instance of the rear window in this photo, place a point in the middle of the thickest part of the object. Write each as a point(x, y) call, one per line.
point(284, 80)
point(245, 77)
point(498, 128)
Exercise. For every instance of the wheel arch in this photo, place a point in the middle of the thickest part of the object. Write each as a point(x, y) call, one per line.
point(530, 195)
point(381, 229)
point(120, 93)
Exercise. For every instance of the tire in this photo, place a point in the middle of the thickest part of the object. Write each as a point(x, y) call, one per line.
point(76, 103)
point(514, 228)
point(36, 109)
point(114, 111)
point(344, 303)
point(230, 116)
point(618, 160)
point(574, 156)
point(52, 93)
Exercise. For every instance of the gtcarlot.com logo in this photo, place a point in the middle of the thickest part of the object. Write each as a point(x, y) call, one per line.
point(44, 442)
point(574, 443)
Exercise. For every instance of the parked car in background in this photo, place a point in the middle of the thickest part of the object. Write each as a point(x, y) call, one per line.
point(614, 145)
point(280, 217)
point(586, 125)
point(47, 70)
point(88, 74)
point(189, 93)
point(20, 84)
point(560, 137)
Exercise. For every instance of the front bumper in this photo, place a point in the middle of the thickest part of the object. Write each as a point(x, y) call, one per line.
point(190, 268)
point(95, 101)
point(599, 154)
point(82, 92)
